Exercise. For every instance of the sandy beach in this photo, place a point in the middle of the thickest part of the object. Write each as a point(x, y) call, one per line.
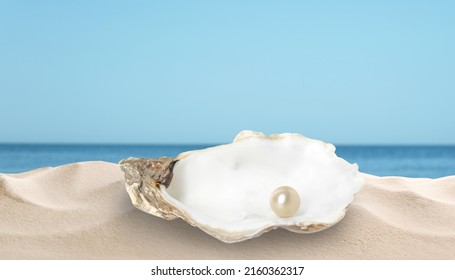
point(82, 211)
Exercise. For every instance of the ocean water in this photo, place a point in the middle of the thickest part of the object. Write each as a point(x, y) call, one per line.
point(408, 161)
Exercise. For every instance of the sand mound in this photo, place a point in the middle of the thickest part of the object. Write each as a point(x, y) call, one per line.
point(82, 211)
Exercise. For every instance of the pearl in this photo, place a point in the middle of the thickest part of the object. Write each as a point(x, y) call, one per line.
point(285, 201)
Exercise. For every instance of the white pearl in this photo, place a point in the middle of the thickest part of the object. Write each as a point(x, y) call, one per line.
point(285, 201)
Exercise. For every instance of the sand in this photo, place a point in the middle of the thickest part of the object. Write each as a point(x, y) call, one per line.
point(82, 211)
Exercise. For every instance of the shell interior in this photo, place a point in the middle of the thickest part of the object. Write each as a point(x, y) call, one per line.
point(225, 190)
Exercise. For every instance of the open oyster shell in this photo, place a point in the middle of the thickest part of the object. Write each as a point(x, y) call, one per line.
point(226, 190)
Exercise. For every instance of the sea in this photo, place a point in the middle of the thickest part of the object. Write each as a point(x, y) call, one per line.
point(408, 161)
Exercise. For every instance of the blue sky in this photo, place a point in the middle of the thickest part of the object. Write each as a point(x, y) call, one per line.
point(346, 72)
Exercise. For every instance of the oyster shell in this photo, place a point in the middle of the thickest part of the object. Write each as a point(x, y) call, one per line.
point(226, 190)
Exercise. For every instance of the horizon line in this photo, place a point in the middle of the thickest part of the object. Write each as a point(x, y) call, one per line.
point(205, 144)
